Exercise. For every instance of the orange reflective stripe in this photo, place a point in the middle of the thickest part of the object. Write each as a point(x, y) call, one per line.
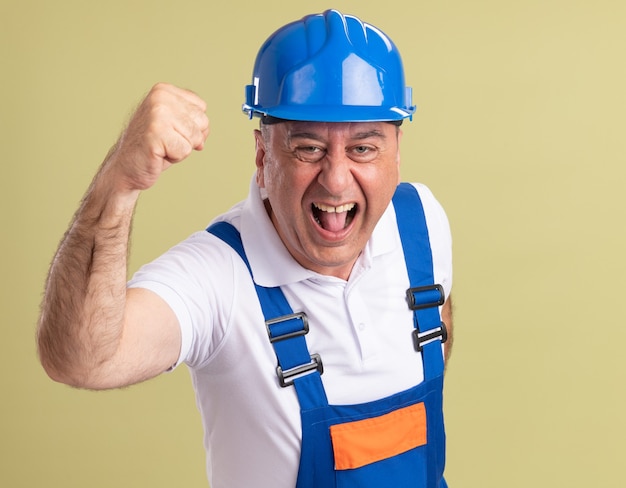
point(356, 444)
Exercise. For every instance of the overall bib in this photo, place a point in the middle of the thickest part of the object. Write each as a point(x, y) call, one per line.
point(397, 441)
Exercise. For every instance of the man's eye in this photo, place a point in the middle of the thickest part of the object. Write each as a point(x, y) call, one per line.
point(364, 153)
point(309, 153)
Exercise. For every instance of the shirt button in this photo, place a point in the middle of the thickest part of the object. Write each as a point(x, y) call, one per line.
point(361, 326)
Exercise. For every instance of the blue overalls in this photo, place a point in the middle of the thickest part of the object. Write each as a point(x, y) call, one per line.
point(397, 441)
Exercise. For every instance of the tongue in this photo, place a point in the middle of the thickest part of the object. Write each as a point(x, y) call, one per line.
point(334, 221)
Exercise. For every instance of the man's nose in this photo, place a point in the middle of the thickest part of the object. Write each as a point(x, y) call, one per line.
point(335, 173)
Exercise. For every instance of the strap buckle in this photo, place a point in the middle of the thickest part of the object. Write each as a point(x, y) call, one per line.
point(287, 377)
point(422, 297)
point(420, 340)
point(425, 297)
point(287, 326)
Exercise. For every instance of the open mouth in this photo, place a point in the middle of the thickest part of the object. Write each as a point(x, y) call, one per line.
point(333, 219)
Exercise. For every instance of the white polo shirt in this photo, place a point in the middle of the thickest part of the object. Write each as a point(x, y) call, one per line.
point(361, 328)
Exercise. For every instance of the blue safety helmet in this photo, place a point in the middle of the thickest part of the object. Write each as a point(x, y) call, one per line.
point(329, 68)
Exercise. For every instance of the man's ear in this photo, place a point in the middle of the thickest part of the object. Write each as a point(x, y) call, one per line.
point(260, 158)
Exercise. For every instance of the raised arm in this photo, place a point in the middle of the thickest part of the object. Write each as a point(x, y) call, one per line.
point(92, 332)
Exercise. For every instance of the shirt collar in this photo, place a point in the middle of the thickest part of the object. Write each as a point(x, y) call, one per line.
point(271, 263)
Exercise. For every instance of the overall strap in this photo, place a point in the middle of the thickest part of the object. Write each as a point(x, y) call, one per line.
point(424, 296)
point(286, 331)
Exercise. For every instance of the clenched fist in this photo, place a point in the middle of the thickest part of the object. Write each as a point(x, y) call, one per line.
point(169, 124)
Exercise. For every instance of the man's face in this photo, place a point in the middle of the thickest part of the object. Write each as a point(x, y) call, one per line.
point(328, 185)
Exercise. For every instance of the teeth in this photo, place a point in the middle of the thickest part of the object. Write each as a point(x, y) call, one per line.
point(341, 208)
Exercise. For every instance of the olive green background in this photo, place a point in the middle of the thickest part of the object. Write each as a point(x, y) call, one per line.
point(519, 132)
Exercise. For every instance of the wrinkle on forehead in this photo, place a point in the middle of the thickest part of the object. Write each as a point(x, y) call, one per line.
point(323, 131)
point(284, 133)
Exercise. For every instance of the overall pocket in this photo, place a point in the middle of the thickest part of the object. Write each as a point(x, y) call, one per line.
point(387, 450)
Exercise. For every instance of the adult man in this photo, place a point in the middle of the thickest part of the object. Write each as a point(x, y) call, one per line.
point(337, 393)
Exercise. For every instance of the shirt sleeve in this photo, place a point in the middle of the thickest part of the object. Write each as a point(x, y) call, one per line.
point(440, 237)
point(195, 278)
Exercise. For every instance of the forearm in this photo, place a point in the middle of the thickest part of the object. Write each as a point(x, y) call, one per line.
point(82, 312)
point(91, 333)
